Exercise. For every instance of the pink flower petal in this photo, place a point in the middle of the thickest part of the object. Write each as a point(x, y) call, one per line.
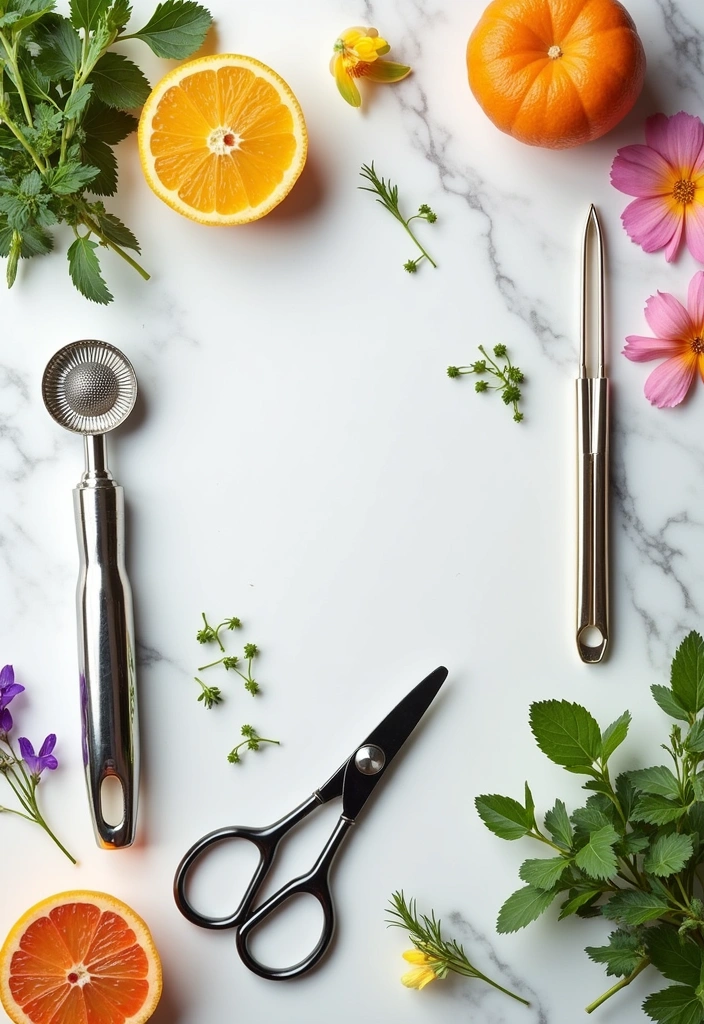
point(652, 223)
point(669, 383)
point(679, 139)
point(695, 302)
point(673, 246)
point(640, 349)
point(641, 171)
point(667, 317)
point(694, 230)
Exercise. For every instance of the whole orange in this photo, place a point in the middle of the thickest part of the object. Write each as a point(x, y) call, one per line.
point(555, 73)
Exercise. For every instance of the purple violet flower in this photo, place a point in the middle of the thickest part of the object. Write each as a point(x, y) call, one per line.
point(8, 691)
point(44, 759)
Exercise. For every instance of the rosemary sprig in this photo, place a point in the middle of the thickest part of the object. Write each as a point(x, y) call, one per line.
point(508, 378)
point(387, 195)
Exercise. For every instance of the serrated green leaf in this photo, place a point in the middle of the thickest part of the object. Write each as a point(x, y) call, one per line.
point(70, 177)
point(687, 674)
point(592, 817)
point(543, 873)
point(632, 842)
point(581, 899)
point(60, 53)
point(503, 816)
point(694, 740)
point(530, 805)
point(98, 154)
point(633, 907)
point(522, 907)
point(678, 959)
point(626, 793)
point(119, 14)
point(614, 735)
point(668, 855)
point(666, 700)
point(657, 810)
point(117, 232)
point(77, 101)
point(35, 242)
point(104, 124)
point(87, 13)
point(118, 82)
point(84, 269)
point(659, 780)
point(557, 823)
point(176, 29)
point(597, 859)
point(622, 955)
point(29, 12)
point(677, 1004)
point(566, 733)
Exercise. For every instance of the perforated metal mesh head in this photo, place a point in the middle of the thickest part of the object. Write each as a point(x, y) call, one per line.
point(89, 387)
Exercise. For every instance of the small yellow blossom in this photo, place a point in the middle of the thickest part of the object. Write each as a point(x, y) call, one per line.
point(357, 53)
point(423, 973)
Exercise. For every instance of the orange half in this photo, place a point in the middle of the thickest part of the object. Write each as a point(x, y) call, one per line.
point(222, 139)
point(80, 958)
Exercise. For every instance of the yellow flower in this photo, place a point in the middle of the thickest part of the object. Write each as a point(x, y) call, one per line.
point(421, 975)
point(357, 54)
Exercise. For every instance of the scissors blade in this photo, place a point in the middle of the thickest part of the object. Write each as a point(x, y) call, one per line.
point(389, 736)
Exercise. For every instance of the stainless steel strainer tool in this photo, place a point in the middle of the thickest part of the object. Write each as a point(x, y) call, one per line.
point(89, 387)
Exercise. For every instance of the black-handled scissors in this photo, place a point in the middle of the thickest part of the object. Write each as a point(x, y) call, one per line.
point(354, 781)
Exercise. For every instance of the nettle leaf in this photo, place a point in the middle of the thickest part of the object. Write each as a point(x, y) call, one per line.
point(659, 780)
point(657, 810)
point(115, 231)
point(589, 819)
point(77, 101)
point(522, 907)
point(70, 177)
point(634, 907)
point(632, 842)
point(34, 241)
point(119, 14)
point(87, 13)
point(60, 53)
point(100, 156)
point(557, 822)
point(622, 955)
point(668, 855)
point(597, 859)
point(694, 740)
point(543, 873)
point(677, 1004)
point(118, 82)
point(566, 733)
point(693, 822)
point(626, 793)
point(614, 735)
point(105, 124)
point(503, 816)
point(687, 674)
point(84, 269)
point(27, 13)
point(677, 958)
point(176, 29)
point(582, 899)
point(665, 698)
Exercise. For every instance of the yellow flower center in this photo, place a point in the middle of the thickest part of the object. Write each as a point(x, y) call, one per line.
point(697, 346)
point(684, 191)
point(554, 52)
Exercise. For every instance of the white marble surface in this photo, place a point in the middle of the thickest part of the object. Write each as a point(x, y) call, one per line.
point(300, 459)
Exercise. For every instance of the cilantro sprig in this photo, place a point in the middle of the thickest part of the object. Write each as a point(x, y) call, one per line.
point(633, 853)
point(64, 97)
point(507, 377)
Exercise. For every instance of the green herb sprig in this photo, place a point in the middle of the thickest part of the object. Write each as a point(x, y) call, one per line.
point(439, 956)
point(252, 741)
point(212, 695)
point(634, 853)
point(387, 195)
point(508, 377)
point(64, 94)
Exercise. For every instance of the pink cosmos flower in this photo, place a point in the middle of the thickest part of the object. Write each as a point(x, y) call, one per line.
point(667, 176)
point(679, 335)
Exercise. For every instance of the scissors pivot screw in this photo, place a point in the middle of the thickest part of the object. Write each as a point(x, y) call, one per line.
point(370, 759)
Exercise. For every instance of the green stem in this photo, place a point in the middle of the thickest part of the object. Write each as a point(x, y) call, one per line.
point(212, 664)
point(618, 986)
point(40, 821)
point(427, 255)
point(21, 139)
point(11, 54)
point(506, 991)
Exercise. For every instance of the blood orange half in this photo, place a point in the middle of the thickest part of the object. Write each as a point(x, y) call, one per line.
point(80, 958)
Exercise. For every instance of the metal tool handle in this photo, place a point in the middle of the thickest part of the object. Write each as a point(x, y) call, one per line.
point(592, 531)
point(106, 647)
point(314, 883)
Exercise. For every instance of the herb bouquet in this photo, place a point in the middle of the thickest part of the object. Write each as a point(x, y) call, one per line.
point(634, 854)
point(63, 97)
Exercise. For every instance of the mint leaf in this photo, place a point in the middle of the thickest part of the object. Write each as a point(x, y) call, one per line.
point(677, 1004)
point(566, 733)
point(622, 955)
point(522, 907)
point(60, 53)
point(84, 269)
point(687, 674)
point(543, 873)
point(694, 739)
point(106, 124)
point(503, 816)
point(597, 859)
point(659, 780)
point(87, 13)
point(657, 810)
point(70, 177)
point(668, 855)
point(678, 959)
point(665, 698)
point(634, 907)
point(115, 231)
point(99, 155)
point(176, 29)
point(77, 101)
point(557, 823)
point(614, 735)
point(118, 82)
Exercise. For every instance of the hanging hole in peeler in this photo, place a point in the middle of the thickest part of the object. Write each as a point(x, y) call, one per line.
point(112, 801)
point(591, 636)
